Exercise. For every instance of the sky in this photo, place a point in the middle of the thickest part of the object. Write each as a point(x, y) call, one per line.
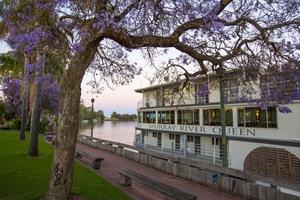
point(122, 100)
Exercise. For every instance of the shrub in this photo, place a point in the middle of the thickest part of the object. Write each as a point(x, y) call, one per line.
point(16, 125)
point(43, 125)
point(5, 128)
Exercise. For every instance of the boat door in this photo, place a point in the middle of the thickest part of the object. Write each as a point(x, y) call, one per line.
point(177, 142)
point(159, 139)
point(197, 145)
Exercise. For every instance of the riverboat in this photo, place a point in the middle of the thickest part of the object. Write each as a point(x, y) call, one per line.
point(186, 121)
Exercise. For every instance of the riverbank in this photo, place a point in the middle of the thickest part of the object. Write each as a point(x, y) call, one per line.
point(117, 158)
point(235, 182)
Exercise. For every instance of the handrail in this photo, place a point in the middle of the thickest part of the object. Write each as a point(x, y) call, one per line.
point(109, 142)
point(198, 164)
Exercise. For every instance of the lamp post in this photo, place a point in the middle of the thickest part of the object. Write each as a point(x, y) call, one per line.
point(92, 100)
point(221, 73)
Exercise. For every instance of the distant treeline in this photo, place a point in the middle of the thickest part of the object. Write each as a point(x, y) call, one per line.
point(123, 117)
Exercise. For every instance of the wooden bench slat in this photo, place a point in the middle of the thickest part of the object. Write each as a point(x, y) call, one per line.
point(96, 160)
point(163, 188)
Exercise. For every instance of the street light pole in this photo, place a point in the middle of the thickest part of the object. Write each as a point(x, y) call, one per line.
point(221, 73)
point(92, 100)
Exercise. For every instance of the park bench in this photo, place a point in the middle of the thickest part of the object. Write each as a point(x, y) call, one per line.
point(96, 164)
point(49, 137)
point(127, 175)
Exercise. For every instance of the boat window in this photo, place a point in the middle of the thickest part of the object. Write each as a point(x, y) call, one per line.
point(231, 89)
point(166, 117)
point(149, 117)
point(256, 117)
point(188, 117)
point(172, 136)
point(190, 138)
point(201, 93)
point(140, 117)
point(212, 117)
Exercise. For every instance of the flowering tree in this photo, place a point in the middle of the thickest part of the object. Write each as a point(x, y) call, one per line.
point(11, 74)
point(212, 35)
point(11, 88)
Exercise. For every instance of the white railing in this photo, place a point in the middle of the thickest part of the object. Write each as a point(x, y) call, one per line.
point(192, 151)
point(140, 104)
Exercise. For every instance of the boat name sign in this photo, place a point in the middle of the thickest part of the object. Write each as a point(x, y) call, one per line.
point(203, 129)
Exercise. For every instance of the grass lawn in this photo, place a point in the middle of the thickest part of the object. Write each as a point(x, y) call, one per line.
point(23, 177)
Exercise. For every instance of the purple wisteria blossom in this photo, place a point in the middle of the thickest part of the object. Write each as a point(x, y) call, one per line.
point(284, 109)
point(204, 91)
point(11, 88)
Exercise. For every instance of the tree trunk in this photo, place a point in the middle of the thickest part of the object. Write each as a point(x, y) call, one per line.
point(65, 144)
point(24, 100)
point(36, 110)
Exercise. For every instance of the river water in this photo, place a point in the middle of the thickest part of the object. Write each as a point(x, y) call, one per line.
point(117, 131)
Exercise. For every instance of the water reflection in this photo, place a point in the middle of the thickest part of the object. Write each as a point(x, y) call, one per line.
point(118, 131)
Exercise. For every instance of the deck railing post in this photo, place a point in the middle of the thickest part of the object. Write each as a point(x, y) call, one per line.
point(221, 73)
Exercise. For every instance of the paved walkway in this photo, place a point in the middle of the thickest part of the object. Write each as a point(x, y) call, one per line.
point(112, 163)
